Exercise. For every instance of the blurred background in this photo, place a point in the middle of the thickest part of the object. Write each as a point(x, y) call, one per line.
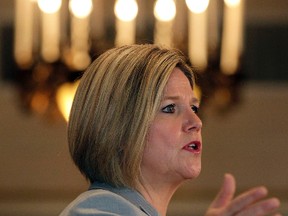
point(239, 50)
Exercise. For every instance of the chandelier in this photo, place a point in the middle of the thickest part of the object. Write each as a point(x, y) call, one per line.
point(55, 40)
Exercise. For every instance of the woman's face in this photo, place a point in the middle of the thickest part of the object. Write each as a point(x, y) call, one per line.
point(174, 145)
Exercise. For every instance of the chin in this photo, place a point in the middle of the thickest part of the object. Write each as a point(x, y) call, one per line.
point(194, 173)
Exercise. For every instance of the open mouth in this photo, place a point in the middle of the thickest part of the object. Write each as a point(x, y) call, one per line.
point(194, 147)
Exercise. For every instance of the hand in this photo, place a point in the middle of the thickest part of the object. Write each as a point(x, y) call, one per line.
point(251, 202)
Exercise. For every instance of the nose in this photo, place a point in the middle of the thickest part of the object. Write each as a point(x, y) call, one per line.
point(192, 122)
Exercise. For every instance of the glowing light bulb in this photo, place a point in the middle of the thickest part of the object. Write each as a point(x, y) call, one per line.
point(65, 96)
point(165, 10)
point(232, 3)
point(81, 8)
point(49, 6)
point(126, 10)
point(197, 6)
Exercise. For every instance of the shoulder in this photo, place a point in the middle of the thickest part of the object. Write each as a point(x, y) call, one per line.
point(101, 202)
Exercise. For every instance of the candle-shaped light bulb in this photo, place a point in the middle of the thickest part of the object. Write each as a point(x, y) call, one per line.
point(23, 39)
point(198, 45)
point(232, 3)
point(80, 32)
point(50, 43)
point(197, 6)
point(49, 6)
point(165, 10)
point(125, 12)
point(231, 46)
point(81, 8)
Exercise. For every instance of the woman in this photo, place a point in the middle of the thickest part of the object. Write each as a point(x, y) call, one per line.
point(135, 134)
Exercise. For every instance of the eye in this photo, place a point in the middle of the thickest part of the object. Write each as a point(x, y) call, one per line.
point(169, 109)
point(195, 109)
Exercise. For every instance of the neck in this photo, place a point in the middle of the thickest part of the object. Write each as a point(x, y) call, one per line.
point(158, 193)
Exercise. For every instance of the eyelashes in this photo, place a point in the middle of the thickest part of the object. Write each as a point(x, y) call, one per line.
point(171, 108)
point(195, 109)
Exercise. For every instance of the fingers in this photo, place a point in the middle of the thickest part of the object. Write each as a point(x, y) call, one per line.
point(251, 203)
point(226, 192)
point(246, 199)
point(262, 208)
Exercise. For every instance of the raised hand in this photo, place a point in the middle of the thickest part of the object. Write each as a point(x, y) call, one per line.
point(250, 203)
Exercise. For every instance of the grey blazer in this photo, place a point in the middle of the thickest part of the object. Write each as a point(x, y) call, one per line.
point(103, 200)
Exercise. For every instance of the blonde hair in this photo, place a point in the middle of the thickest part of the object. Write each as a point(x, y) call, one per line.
point(115, 102)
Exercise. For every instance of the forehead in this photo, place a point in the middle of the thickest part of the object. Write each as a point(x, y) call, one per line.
point(177, 82)
point(179, 87)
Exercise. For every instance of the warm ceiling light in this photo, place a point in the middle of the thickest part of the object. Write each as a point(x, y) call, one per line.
point(126, 10)
point(64, 97)
point(165, 10)
point(232, 3)
point(197, 6)
point(81, 8)
point(49, 6)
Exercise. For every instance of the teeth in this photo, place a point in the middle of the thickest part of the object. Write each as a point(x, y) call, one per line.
point(193, 146)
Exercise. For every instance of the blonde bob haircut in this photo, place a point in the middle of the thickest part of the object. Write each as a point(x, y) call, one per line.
point(117, 98)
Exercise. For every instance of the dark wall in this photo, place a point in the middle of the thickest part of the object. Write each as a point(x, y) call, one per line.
point(266, 53)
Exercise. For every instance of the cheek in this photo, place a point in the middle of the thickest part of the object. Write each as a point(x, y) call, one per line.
point(162, 135)
point(160, 148)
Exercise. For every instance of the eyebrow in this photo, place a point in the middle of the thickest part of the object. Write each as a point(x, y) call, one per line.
point(193, 100)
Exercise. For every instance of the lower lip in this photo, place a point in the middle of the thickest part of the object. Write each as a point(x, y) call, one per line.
point(195, 151)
